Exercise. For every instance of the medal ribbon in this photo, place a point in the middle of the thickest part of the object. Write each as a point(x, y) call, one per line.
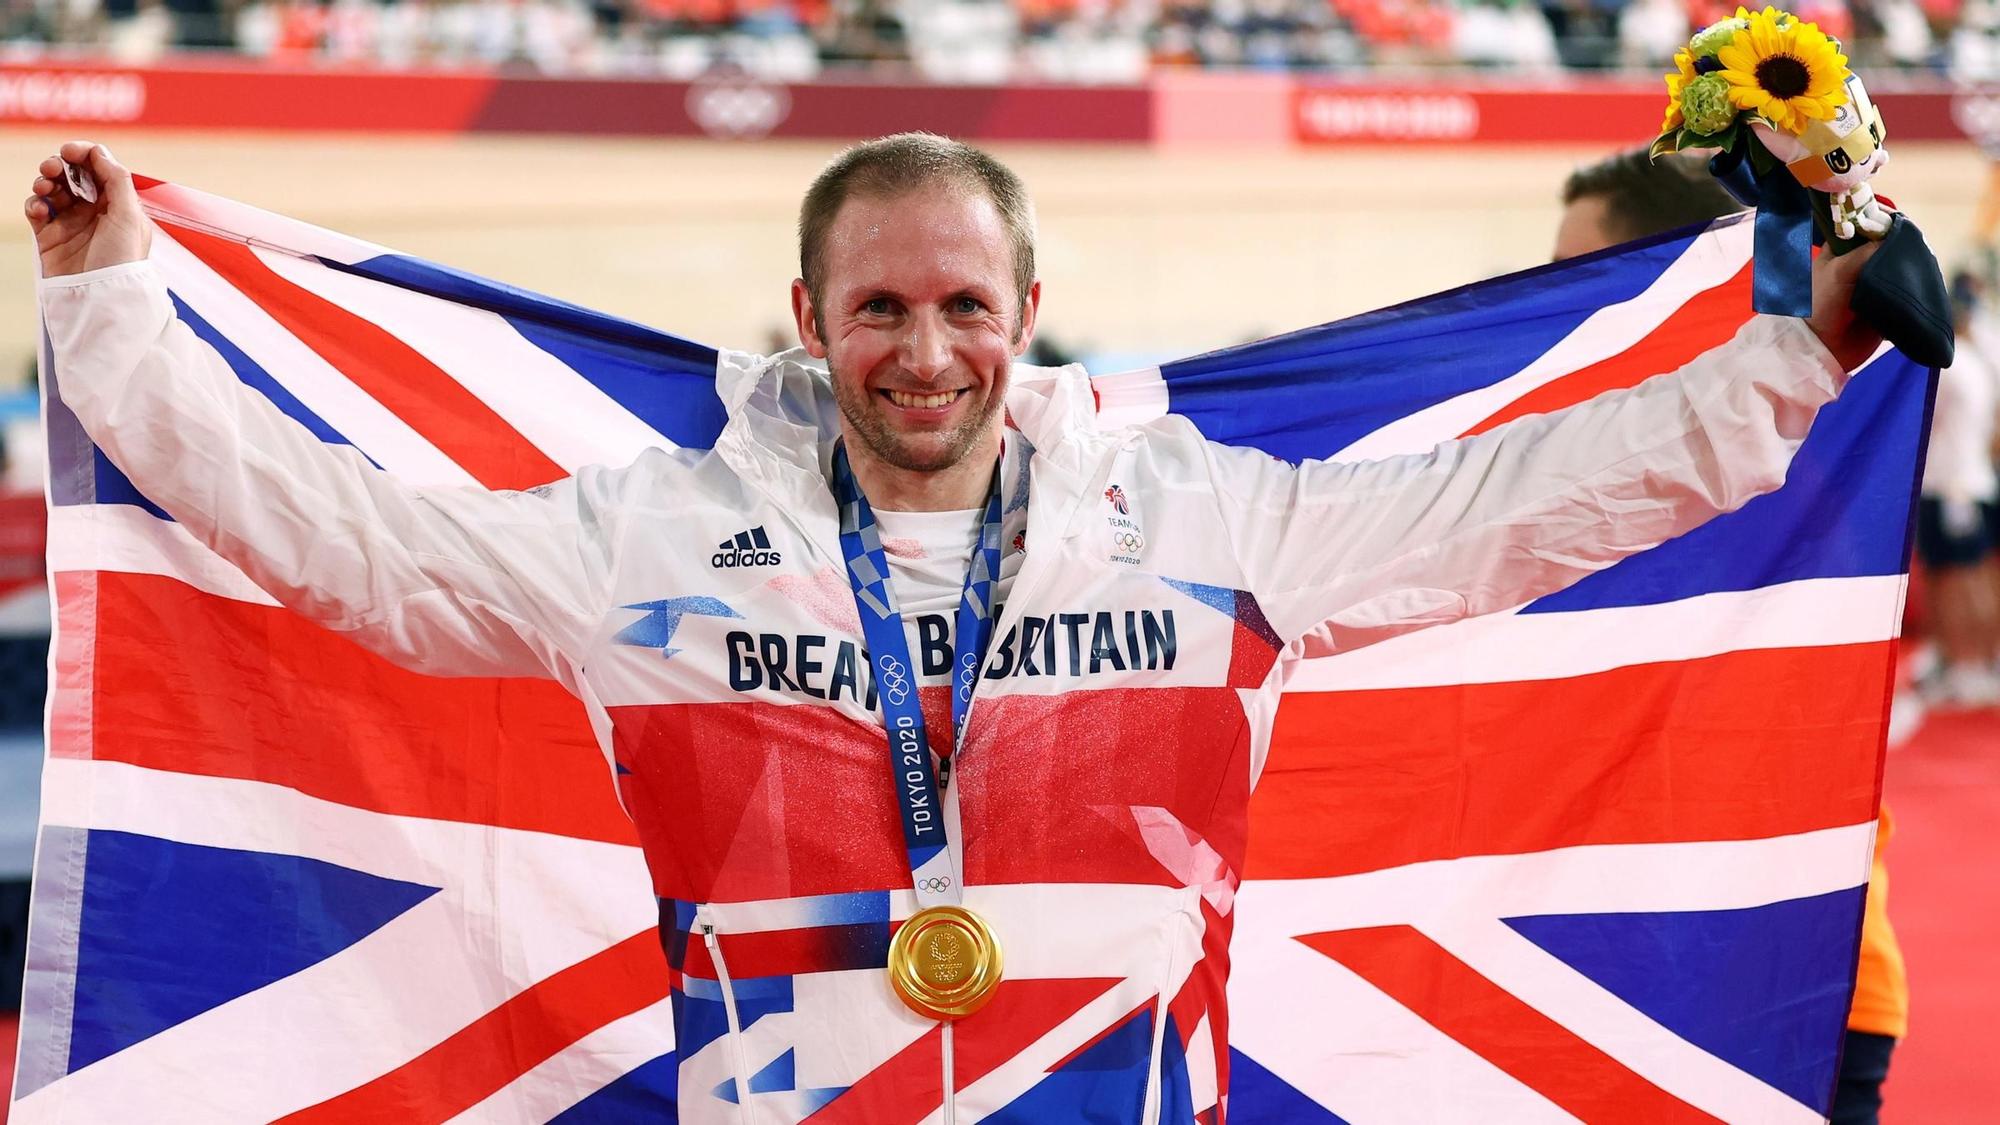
point(917, 791)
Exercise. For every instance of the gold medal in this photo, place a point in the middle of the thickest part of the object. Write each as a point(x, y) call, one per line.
point(945, 962)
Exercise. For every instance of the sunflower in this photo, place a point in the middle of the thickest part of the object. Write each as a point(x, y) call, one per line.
point(1787, 71)
point(1684, 64)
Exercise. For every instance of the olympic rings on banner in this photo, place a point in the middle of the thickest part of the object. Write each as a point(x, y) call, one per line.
point(937, 884)
point(895, 680)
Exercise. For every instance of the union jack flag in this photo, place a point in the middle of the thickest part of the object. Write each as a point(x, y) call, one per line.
point(1601, 857)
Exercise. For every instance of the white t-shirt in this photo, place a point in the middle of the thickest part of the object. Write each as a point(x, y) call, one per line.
point(1959, 466)
point(928, 554)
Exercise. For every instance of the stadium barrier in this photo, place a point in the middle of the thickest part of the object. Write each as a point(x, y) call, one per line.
point(1174, 107)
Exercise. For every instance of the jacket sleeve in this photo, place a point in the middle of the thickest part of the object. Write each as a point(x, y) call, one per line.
point(1355, 552)
point(453, 581)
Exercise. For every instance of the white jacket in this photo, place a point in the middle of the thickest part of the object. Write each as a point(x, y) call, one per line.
point(1100, 799)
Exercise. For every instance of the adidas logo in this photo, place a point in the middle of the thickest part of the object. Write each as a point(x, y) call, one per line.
point(747, 548)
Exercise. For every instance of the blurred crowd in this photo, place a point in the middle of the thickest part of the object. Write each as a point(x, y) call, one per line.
point(982, 40)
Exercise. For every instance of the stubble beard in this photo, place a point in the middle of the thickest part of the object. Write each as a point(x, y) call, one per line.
point(929, 452)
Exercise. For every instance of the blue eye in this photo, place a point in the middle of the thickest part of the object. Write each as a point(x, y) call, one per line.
point(879, 306)
point(966, 306)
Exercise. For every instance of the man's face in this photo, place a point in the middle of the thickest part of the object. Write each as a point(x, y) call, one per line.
point(918, 321)
point(1586, 227)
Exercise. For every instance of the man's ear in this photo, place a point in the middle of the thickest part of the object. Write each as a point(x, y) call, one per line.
point(807, 318)
point(1029, 308)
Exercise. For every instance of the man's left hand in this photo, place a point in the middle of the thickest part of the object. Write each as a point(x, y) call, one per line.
point(1845, 335)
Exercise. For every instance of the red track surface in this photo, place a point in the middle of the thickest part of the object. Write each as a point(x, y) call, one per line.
point(9, 1024)
point(1944, 786)
point(1944, 900)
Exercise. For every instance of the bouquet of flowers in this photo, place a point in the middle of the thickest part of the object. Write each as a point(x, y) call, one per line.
point(1794, 135)
point(1767, 88)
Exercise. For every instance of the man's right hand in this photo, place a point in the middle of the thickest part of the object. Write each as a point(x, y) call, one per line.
point(73, 236)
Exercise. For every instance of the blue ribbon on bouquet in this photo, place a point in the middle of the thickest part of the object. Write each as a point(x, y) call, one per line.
point(1782, 242)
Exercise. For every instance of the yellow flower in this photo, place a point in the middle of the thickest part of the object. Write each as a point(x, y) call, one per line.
point(1684, 63)
point(1787, 71)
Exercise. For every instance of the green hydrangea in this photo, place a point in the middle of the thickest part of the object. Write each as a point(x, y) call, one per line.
point(1706, 105)
point(1714, 37)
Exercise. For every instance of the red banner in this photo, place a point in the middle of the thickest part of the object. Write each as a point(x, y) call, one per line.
point(1172, 107)
point(243, 96)
point(1609, 112)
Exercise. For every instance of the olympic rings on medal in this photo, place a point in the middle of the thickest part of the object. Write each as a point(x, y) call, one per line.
point(894, 679)
point(937, 884)
point(1128, 541)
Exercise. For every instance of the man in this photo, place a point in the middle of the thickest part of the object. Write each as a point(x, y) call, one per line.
point(1954, 538)
point(1629, 195)
point(1103, 616)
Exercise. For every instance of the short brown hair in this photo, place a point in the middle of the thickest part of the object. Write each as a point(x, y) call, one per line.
point(1643, 196)
point(895, 165)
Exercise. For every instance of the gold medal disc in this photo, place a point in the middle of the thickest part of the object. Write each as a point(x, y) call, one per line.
point(945, 962)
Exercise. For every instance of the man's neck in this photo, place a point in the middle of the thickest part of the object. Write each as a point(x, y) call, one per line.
point(952, 489)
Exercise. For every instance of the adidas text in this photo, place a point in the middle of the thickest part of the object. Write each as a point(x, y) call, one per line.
point(745, 549)
point(736, 556)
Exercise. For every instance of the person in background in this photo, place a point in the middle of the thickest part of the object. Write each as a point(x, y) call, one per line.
point(1628, 196)
point(1953, 537)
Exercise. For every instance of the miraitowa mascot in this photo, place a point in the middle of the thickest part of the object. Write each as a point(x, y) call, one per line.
point(1798, 139)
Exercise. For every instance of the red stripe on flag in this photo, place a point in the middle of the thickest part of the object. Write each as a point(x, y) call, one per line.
point(1450, 996)
point(1709, 318)
point(413, 388)
point(208, 685)
point(1020, 1015)
point(1733, 747)
point(904, 1089)
point(909, 1086)
point(504, 1044)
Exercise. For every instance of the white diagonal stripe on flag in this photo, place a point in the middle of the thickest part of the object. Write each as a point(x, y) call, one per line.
point(1706, 263)
point(1598, 1017)
point(1378, 1063)
point(559, 411)
point(323, 389)
point(580, 1069)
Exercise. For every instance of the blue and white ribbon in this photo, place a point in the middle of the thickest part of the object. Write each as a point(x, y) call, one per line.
point(917, 791)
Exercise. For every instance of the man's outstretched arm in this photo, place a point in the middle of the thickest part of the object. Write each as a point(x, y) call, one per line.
point(448, 580)
point(1371, 549)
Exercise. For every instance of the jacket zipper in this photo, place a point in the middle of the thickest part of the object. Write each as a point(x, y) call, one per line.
point(739, 1061)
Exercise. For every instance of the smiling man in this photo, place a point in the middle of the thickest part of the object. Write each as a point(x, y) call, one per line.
point(937, 703)
point(918, 289)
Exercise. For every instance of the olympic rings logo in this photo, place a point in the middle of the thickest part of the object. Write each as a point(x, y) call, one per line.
point(968, 674)
point(895, 681)
point(1128, 541)
point(936, 885)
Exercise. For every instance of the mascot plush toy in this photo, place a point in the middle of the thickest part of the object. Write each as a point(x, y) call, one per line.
point(1796, 136)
